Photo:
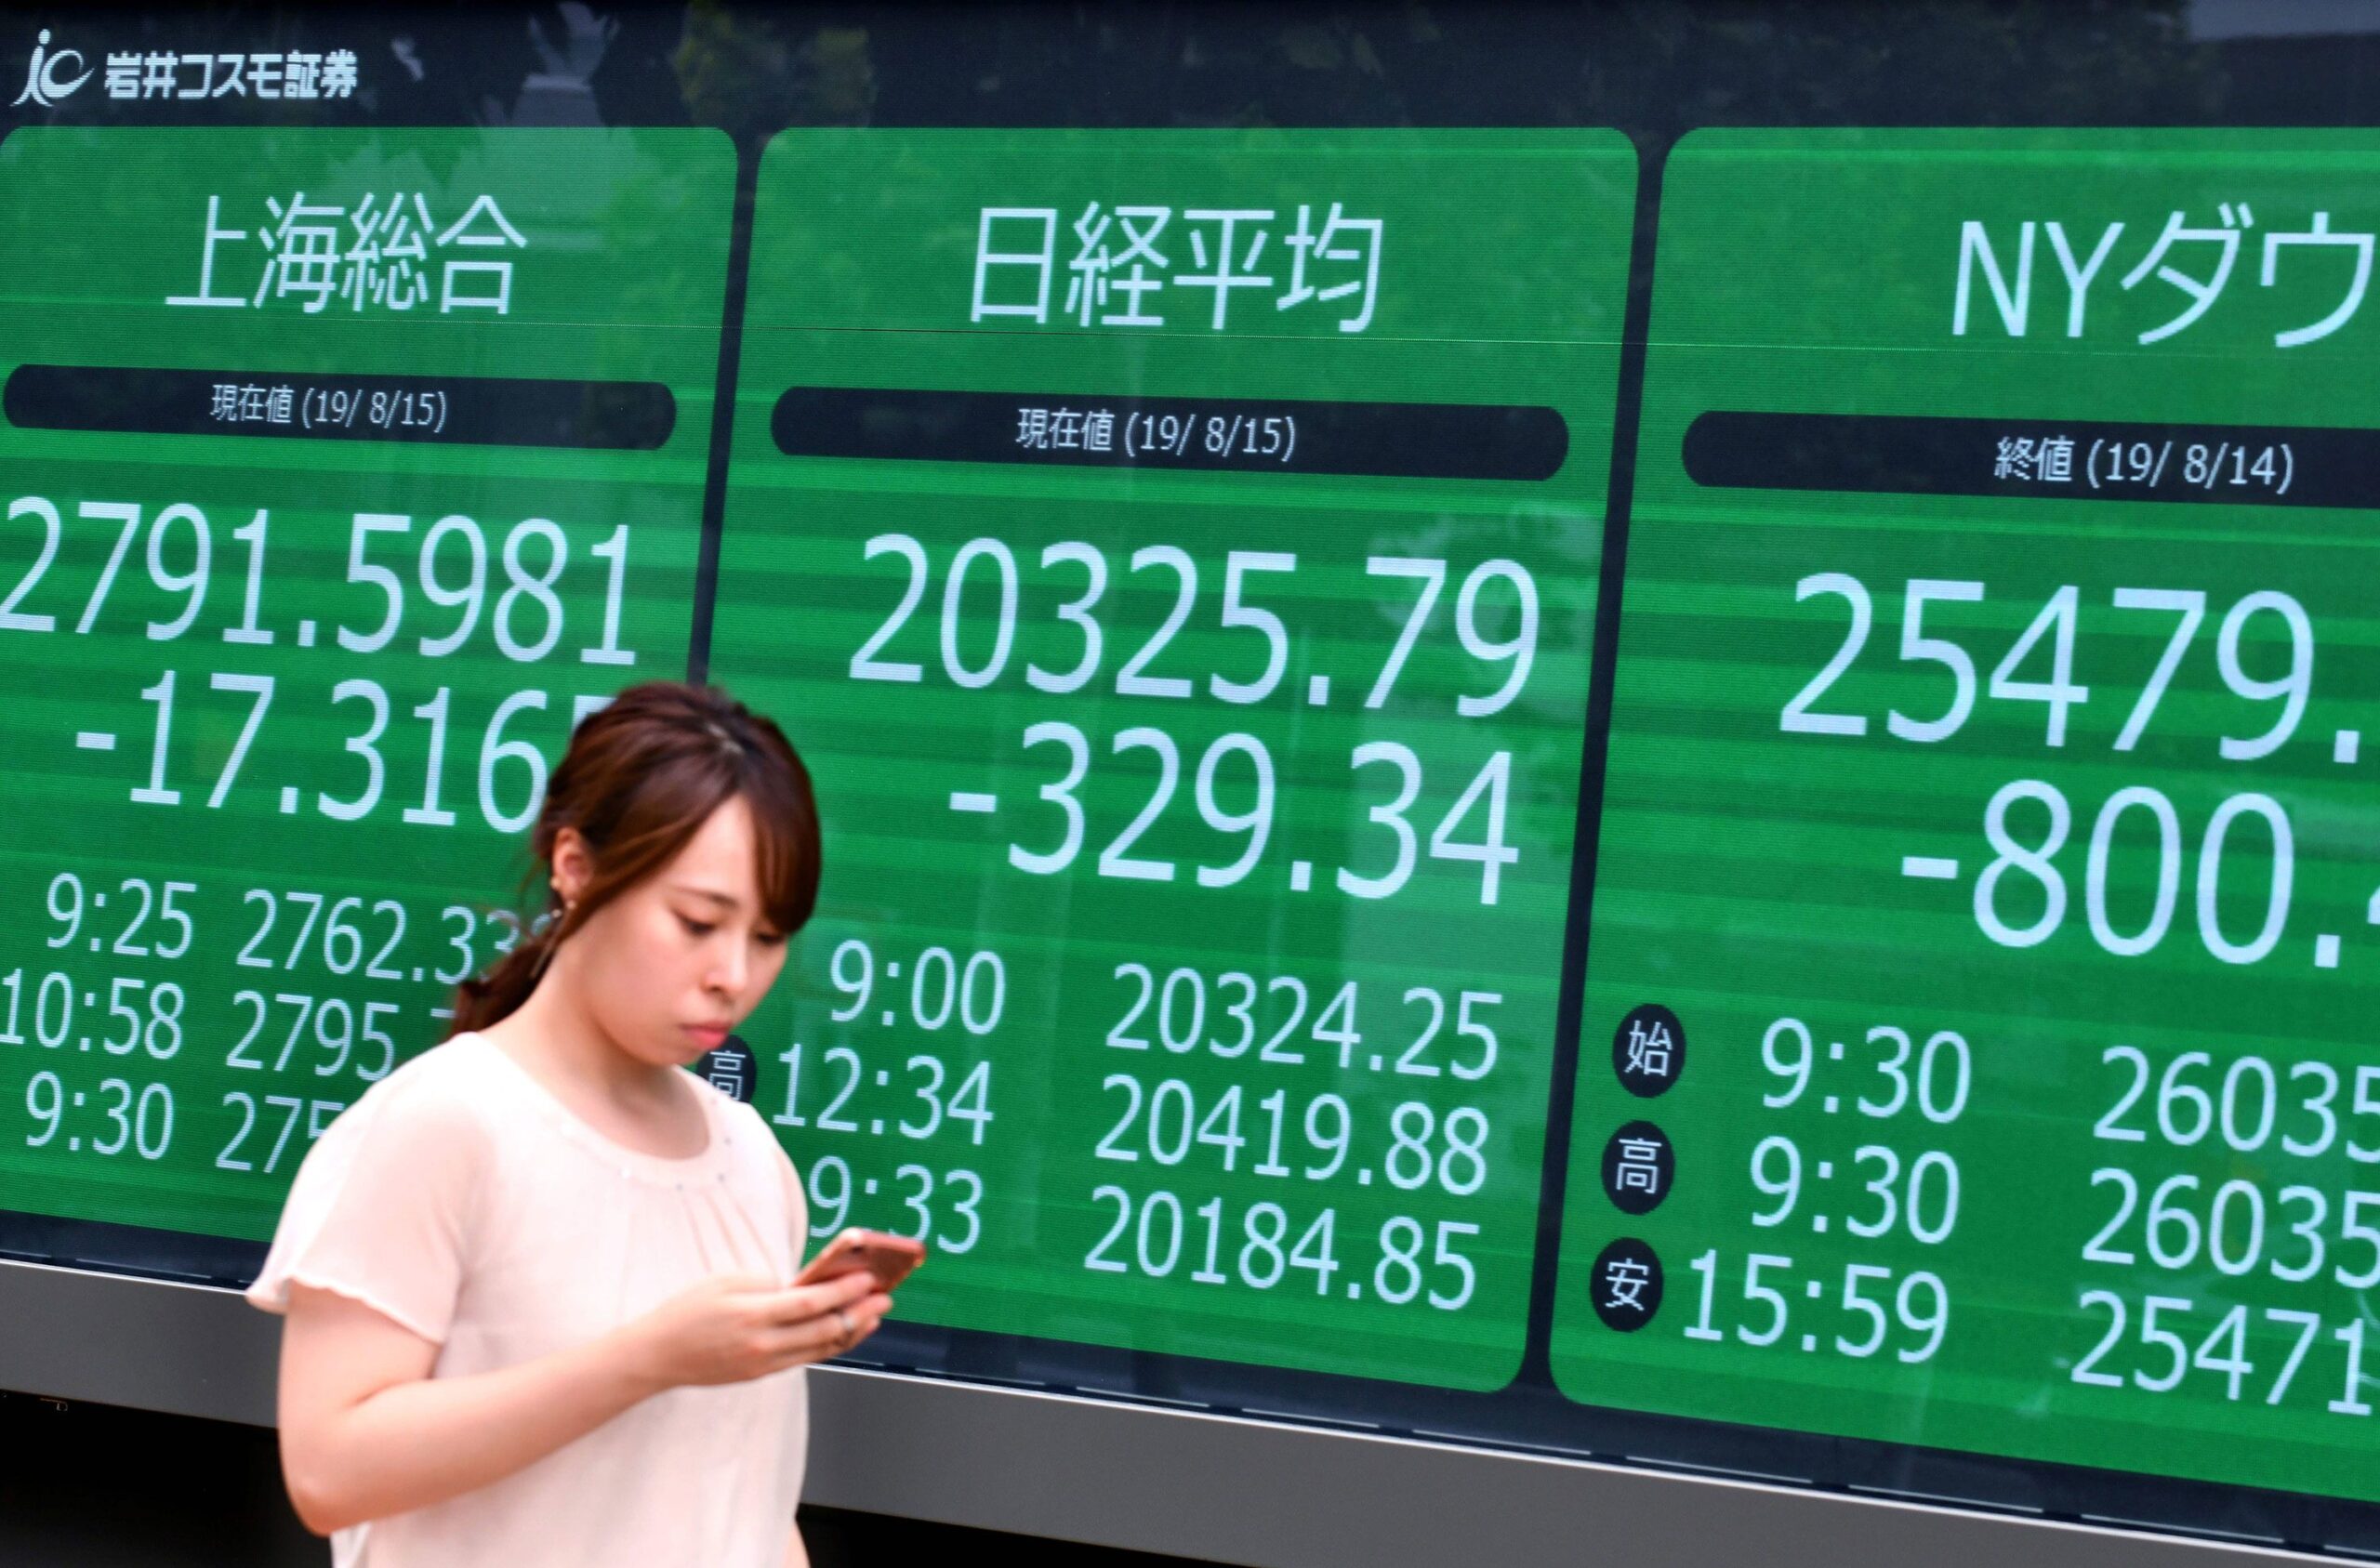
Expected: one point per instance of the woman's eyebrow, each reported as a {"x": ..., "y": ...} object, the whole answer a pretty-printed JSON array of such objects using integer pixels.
[{"x": 728, "y": 901}]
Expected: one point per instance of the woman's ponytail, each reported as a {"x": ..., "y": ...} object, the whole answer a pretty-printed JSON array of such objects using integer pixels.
[{"x": 499, "y": 993}]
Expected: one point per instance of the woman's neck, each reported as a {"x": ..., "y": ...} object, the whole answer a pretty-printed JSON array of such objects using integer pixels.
[{"x": 555, "y": 1036}]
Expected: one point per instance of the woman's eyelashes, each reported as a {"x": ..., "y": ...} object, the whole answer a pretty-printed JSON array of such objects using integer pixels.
[{"x": 699, "y": 929}]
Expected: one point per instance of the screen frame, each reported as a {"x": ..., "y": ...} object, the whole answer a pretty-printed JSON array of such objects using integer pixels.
[
  {"x": 145, "y": 1344},
  {"x": 1139, "y": 1477}
]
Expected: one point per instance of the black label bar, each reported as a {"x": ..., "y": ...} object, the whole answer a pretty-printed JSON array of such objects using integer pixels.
[
  {"x": 454, "y": 409},
  {"x": 2087, "y": 459},
  {"x": 1386, "y": 440}
]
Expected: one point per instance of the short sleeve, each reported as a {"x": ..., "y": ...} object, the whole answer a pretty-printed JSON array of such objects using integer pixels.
[{"x": 381, "y": 1211}]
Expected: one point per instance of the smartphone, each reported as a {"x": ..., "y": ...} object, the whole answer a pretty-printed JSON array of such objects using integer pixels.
[{"x": 888, "y": 1256}]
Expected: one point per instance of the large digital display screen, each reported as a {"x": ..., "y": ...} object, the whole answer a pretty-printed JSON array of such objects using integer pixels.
[
  {"x": 1512, "y": 752},
  {"x": 1179, "y": 566},
  {"x": 1978, "y": 1045},
  {"x": 343, "y": 471}
]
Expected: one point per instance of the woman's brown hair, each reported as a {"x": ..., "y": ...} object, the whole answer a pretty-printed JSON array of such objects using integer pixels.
[{"x": 640, "y": 776}]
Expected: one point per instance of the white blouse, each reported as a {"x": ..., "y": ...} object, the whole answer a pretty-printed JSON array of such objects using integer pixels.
[{"x": 461, "y": 1200}]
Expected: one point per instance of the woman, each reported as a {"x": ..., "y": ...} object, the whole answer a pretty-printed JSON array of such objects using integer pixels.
[{"x": 538, "y": 1281}]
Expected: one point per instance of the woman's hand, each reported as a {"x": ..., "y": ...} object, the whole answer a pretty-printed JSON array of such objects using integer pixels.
[
  {"x": 367, "y": 1430},
  {"x": 735, "y": 1327}
]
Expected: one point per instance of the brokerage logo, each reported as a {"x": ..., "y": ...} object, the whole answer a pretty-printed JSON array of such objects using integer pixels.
[
  {"x": 42, "y": 72},
  {"x": 142, "y": 74}
]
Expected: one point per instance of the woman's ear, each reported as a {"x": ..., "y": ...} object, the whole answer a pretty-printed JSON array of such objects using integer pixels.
[{"x": 574, "y": 864}]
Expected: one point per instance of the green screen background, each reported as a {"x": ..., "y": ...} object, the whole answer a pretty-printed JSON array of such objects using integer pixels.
[
  {"x": 861, "y": 276},
  {"x": 1745, "y": 874},
  {"x": 621, "y": 277},
  {"x": 1748, "y": 875}
]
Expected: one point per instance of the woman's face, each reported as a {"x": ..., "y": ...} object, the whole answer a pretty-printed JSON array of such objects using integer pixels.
[{"x": 669, "y": 967}]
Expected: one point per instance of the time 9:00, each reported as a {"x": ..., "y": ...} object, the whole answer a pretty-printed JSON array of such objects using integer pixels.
[{"x": 942, "y": 986}]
